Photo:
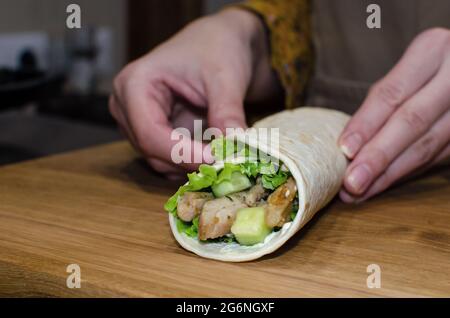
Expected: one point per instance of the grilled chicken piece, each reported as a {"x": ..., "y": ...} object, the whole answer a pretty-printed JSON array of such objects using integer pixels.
[
  {"x": 218, "y": 216},
  {"x": 191, "y": 204},
  {"x": 279, "y": 204},
  {"x": 252, "y": 196}
]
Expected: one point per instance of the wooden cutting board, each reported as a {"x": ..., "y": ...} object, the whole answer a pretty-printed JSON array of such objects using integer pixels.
[{"x": 101, "y": 208}]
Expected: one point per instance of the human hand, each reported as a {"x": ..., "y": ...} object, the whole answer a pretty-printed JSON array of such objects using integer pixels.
[
  {"x": 403, "y": 126},
  {"x": 205, "y": 71}
]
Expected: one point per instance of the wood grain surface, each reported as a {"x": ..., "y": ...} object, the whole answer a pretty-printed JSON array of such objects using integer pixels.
[{"x": 101, "y": 208}]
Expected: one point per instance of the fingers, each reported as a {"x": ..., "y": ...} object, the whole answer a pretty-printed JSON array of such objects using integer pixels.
[
  {"x": 226, "y": 102},
  {"x": 419, "y": 64},
  {"x": 119, "y": 116},
  {"x": 142, "y": 108},
  {"x": 403, "y": 128},
  {"x": 172, "y": 171},
  {"x": 432, "y": 148},
  {"x": 443, "y": 157},
  {"x": 155, "y": 136}
]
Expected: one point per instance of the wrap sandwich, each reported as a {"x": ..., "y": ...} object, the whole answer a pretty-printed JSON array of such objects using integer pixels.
[{"x": 262, "y": 188}]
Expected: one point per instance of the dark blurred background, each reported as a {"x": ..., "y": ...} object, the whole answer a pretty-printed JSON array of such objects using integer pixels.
[{"x": 55, "y": 81}]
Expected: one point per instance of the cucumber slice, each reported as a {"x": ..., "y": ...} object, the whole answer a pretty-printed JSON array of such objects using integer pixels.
[
  {"x": 237, "y": 182},
  {"x": 250, "y": 226}
]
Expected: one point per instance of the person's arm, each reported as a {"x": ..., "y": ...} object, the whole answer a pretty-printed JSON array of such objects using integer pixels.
[
  {"x": 403, "y": 126},
  {"x": 289, "y": 32}
]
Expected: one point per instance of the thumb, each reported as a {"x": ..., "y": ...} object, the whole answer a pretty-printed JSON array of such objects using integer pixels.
[{"x": 226, "y": 104}]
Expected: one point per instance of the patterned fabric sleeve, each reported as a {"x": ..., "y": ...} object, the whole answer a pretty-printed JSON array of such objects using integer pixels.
[{"x": 288, "y": 23}]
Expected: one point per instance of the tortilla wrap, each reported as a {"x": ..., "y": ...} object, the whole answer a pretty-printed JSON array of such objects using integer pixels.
[{"x": 308, "y": 148}]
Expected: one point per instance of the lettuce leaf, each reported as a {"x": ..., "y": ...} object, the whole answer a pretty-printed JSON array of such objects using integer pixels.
[
  {"x": 250, "y": 169},
  {"x": 190, "y": 228},
  {"x": 273, "y": 181},
  {"x": 222, "y": 148},
  {"x": 171, "y": 204},
  {"x": 271, "y": 178},
  {"x": 267, "y": 168},
  {"x": 206, "y": 176},
  {"x": 227, "y": 171}
]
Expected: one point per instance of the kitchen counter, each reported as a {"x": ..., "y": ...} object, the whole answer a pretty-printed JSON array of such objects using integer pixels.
[{"x": 101, "y": 208}]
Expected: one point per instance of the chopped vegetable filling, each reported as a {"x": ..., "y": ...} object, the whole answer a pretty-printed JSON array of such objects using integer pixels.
[{"x": 243, "y": 202}]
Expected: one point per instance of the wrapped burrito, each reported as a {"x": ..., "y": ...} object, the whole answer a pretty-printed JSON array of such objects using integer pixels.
[{"x": 266, "y": 184}]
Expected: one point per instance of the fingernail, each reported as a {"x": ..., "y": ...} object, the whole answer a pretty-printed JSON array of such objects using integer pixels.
[
  {"x": 233, "y": 124},
  {"x": 351, "y": 145},
  {"x": 359, "y": 178}
]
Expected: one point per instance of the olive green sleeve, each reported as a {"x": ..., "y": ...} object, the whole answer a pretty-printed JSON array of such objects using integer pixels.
[{"x": 288, "y": 24}]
